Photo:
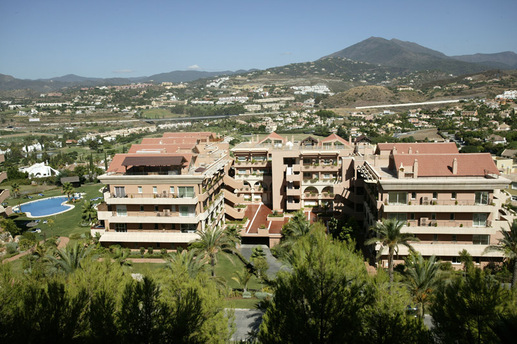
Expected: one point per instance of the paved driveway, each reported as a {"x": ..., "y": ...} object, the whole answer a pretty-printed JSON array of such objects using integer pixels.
[
  {"x": 246, "y": 321},
  {"x": 274, "y": 264}
]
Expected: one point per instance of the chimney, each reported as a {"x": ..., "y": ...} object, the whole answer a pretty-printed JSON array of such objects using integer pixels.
[
  {"x": 410, "y": 151},
  {"x": 400, "y": 172},
  {"x": 394, "y": 150},
  {"x": 350, "y": 139},
  {"x": 455, "y": 166},
  {"x": 415, "y": 169}
]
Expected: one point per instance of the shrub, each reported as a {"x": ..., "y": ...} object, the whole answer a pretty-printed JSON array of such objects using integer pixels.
[
  {"x": 150, "y": 250},
  {"x": 11, "y": 248},
  {"x": 261, "y": 295},
  {"x": 142, "y": 250},
  {"x": 163, "y": 251},
  {"x": 246, "y": 295}
]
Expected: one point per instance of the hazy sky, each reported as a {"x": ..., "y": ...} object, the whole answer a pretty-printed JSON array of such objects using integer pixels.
[{"x": 119, "y": 38}]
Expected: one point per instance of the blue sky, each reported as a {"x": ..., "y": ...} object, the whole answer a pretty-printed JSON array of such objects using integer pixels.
[{"x": 113, "y": 38}]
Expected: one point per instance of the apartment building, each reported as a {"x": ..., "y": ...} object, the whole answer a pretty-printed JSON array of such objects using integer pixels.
[
  {"x": 450, "y": 201},
  {"x": 4, "y": 193},
  {"x": 163, "y": 190},
  {"x": 285, "y": 175}
]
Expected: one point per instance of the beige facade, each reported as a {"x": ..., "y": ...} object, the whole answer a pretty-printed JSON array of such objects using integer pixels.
[
  {"x": 4, "y": 193},
  {"x": 166, "y": 189},
  {"x": 159, "y": 198},
  {"x": 449, "y": 201}
]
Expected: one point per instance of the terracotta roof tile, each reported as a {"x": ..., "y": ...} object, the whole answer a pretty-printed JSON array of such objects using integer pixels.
[
  {"x": 441, "y": 165},
  {"x": 421, "y": 147}
]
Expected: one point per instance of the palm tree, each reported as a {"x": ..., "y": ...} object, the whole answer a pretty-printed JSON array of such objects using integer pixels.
[
  {"x": 70, "y": 258},
  {"x": 508, "y": 245},
  {"x": 68, "y": 189},
  {"x": 391, "y": 237},
  {"x": 186, "y": 262},
  {"x": 89, "y": 214},
  {"x": 421, "y": 278},
  {"x": 211, "y": 242},
  {"x": 297, "y": 227},
  {"x": 16, "y": 189},
  {"x": 242, "y": 277}
]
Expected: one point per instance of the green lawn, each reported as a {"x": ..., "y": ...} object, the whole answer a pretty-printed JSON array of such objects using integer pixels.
[
  {"x": 159, "y": 113},
  {"x": 67, "y": 223}
]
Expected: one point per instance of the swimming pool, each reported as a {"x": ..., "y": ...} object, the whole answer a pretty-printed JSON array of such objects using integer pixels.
[{"x": 46, "y": 207}]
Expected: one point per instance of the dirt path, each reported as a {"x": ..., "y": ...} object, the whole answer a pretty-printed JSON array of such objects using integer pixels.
[
  {"x": 147, "y": 260},
  {"x": 63, "y": 241}
]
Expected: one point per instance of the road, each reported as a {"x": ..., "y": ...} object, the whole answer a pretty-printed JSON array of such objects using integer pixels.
[{"x": 409, "y": 104}]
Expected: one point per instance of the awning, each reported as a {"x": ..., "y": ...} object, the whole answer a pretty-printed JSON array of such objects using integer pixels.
[{"x": 153, "y": 161}]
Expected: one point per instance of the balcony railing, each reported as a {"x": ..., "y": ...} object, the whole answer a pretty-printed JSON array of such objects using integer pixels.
[{"x": 439, "y": 202}]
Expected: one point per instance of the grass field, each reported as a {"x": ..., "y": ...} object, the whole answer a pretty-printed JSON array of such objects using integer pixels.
[
  {"x": 159, "y": 113},
  {"x": 64, "y": 224}
]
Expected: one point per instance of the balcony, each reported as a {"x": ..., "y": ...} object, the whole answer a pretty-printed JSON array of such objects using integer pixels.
[
  {"x": 147, "y": 217},
  {"x": 438, "y": 207},
  {"x": 293, "y": 177},
  {"x": 4, "y": 194},
  {"x": 144, "y": 198},
  {"x": 231, "y": 197},
  {"x": 291, "y": 206},
  {"x": 449, "y": 229},
  {"x": 233, "y": 183},
  {"x": 236, "y": 213},
  {"x": 293, "y": 192}
]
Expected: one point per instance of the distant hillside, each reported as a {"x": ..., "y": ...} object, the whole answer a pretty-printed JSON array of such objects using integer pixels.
[
  {"x": 186, "y": 76},
  {"x": 406, "y": 55},
  {"x": 504, "y": 60},
  {"x": 8, "y": 82},
  {"x": 370, "y": 95}
]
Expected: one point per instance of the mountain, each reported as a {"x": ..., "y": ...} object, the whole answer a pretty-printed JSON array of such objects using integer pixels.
[
  {"x": 185, "y": 76},
  {"x": 8, "y": 82},
  {"x": 504, "y": 60},
  {"x": 405, "y": 55}
]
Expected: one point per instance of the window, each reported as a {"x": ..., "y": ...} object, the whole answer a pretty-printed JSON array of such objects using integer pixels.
[
  {"x": 452, "y": 217},
  {"x": 480, "y": 239},
  {"x": 412, "y": 216},
  {"x": 239, "y": 171},
  {"x": 241, "y": 158},
  {"x": 481, "y": 197},
  {"x": 171, "y": 190},
  {"x": 140, "y": 226},
  {"x": 158, "y": 244},
  {"x": 120, "y": 227},
  {"x": 453, "y": 195},
  {"x": 120, "y": 191},
  {"x": 155, "y": 226},
  {"x": 480, "y": 220},
  {"x": 185, "y": 191},
  {"x": 454, "y": 238},
  {"x": 397, "y": 197},
  {"x": 155, "y": 208},
  {"x": 413, "y": 195},
  {"x": 186, "y": 210},
  {"x": 402, "y": 217},
  {"x": 121, "y": 210},
  {"x": 327, "y": 176},
  {"x": 155, "y": 190},
  {"x": 435, "y": 195},
  {"x": 140, "y": 190},
  {"x": 455, "y": 260},
  {"x": 433, "y": 216},
  {"x": 141, "y": 208},
  {"x": 188, "y": 228},
  {"x": 435, "y": 237}
]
